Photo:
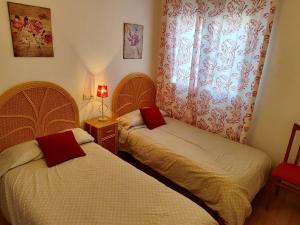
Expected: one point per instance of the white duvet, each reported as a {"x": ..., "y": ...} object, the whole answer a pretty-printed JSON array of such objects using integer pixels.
[
  {"x": 98, "y": 188},
  {"x": 226, "y": 175}
]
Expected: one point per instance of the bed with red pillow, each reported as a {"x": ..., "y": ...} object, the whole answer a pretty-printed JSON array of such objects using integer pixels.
[
  {"x": 52, "y": 173},
  {"x": 224, "y": 174},
  {"x": 88, "y": 187}
]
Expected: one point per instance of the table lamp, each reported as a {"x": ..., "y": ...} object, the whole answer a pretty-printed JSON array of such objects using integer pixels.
[{"x": 102, "y": 92}]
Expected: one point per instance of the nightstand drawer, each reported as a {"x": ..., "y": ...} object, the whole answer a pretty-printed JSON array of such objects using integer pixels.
[
  {"x": 104, "y": 132},
  {"x": 107, "y": 131},
  {"x": 110, "y": 144}
]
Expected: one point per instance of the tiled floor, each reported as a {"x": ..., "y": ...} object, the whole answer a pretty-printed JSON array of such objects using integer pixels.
[{"x": 284, "y": 209}]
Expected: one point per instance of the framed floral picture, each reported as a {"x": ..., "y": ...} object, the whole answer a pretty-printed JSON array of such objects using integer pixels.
[
  {"x": 133, "y": 41},
  {"x": 30, "y": 30}
]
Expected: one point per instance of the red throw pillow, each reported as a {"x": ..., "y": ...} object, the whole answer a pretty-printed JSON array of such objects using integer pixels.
[
  {"x": 60, "y": 147},
  {"x": 152, "y": 117}
]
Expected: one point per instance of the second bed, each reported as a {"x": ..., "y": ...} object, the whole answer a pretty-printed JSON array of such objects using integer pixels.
[{"x": 224, "y": 174}]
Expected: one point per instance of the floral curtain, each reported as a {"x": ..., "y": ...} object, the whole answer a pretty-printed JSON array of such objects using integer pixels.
[{"x": 212, "y": 54}]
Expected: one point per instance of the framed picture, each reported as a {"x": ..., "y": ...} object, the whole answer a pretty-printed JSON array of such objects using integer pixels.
[
  {"x": 30, "y": 30},
  {"x": 133, "y": 41}
]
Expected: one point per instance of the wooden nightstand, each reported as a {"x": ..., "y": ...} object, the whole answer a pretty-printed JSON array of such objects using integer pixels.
[{"x": 104, "y": 132}]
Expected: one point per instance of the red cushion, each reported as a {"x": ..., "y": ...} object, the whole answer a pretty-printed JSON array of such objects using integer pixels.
[
  {"x": 287, "y": 172},
  {"x": 60, "y": 147},
  {"x": 152, "y": 117}
]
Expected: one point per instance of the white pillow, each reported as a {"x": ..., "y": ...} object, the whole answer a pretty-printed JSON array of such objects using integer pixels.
[
  {"x": 81, "y": 136},
  {"x": 25, "y": 152},
  {"x": 134, "y": 119},
  {"x": 18, "y": 155},
  {"x": 131, "y": 119}
]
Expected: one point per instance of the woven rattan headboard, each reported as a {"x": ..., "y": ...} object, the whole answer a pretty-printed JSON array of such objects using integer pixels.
[
  {"x": 35, "y": 109},
  {"x": 136, "y": 90}
]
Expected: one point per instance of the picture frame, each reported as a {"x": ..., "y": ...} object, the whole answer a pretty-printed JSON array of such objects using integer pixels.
[
  {"x": 133, "y": 41},
  {"x": 31, "y": 30}
]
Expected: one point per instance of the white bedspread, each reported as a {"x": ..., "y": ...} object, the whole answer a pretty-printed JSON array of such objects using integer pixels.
[
  {"x": 225, "y": 174},
  {"x": 96, "y": 189}
]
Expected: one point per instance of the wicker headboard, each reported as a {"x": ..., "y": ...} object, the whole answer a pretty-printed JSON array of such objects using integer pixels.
[
  {"x": 136, "y": 90},
  {"x": 35, "y": 109}
]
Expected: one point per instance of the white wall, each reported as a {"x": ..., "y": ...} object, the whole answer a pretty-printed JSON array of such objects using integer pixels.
[
  {"x": 88, "y": 39},
  {"x": 278, "y": 102}
]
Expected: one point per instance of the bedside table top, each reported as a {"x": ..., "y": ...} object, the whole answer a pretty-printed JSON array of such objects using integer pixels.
[{"x": 95, "y": 122}]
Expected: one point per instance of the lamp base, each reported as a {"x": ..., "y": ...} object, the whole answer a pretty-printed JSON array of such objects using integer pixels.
[{"x": 103, "y": 118}]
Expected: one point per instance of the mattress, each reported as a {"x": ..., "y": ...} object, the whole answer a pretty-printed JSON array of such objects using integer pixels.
[
  {"x": 226, "y": 175},
  {"x": 98, "y": 188}
]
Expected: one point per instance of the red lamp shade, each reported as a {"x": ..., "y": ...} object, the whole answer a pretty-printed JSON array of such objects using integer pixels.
[{"x": 102, "y": 91}]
